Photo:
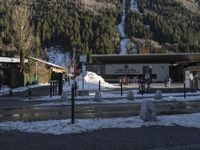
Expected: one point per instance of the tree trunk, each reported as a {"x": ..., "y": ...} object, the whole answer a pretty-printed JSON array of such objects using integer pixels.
[{"x": 21, "y": 60}]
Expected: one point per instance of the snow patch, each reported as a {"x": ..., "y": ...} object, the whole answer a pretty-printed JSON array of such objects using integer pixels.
[
  {"x": 134, "y": 6},
  {"x": 59, "y": 58},
  {"x": 6, "y": 89},
  {"x": 59, "y": 127}
]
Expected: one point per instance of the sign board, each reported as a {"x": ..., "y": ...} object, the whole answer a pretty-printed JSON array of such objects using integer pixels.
[
  {"x": 82, "y": 58},
  {"x": 187, "y": 75},
  {"x": 187, "y": 79}
]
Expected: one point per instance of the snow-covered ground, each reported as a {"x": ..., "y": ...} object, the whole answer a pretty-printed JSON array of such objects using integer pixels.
[
  {"x": 122, "y": 100},
  {"x": 83, "y": 125},
  {"x": 116, "y": 98},
  {"x": 59, "y": 58},
  {"x": 6, "y": 90},
  {"x": 91, "y": 82}
]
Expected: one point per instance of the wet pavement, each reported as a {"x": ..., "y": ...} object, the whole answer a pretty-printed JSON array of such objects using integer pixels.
[
  {"x": 33, "y": 113},
  {"x": 21, "y": 108}
]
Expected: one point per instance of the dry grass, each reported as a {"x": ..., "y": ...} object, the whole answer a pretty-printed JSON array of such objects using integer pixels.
[
  {"x": 141, "y": 42},
  {"x": 190, "y": 5}
]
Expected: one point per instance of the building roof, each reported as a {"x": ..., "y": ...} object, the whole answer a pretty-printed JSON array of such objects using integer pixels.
[
  {"x": 56, "y": 68},
  {"x": 172, "y": 58},
  {"x": 11, "y": 60}
]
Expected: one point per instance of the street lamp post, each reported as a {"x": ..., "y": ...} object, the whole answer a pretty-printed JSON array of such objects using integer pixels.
[{"x": 83, "y": 59}]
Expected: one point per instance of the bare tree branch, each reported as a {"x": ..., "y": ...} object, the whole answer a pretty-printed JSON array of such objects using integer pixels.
[{"x": 21, "y": 25}]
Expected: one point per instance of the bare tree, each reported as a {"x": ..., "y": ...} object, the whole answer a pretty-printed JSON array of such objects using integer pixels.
[{"x": 22, "y": 29}]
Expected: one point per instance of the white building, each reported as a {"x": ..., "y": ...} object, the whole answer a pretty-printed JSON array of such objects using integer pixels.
[{"x": 173, "y": 65}]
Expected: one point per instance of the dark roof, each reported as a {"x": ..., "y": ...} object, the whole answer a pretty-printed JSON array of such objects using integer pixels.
[{"x": 172, "y": 58}]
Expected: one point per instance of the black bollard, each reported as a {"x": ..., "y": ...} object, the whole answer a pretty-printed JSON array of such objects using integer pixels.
[
  {"x": 99, "y": 85},
  {"x": 139, "y": 87},
  {"x": 72, "y": 105},
  {"x": 29, "y": 93},
  {"x": 53, "y": 87},
  {"x": 184, "y": 90},
  {"x": 50, "y": 89},
  {"x": 56, "y": 88},
  {"x": 60, "y": 84},
  {"x": 75, "y": 88},
  {"x": 121, "y": 88},
  {"x": 143, "y": 88},
  {"x": 10, "y": 92}
]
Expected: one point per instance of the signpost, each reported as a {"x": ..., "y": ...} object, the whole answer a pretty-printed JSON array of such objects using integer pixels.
[
  {"x": 186, "y": 81},
  {"x": 72, "y": 104},
  {"x": 83, "y": 60}
]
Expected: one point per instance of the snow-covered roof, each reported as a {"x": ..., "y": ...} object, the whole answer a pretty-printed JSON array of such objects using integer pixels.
[
  {"x": 11, "y": 60},
  {"x": 48, "y": 63}
]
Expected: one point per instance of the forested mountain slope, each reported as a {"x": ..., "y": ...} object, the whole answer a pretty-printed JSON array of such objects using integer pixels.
[
  {"x": 90, "y": 26},
  {"x": 168, "y": 22},
  {"x": 192, "y": 5},
  {"x": 87, "y": 26}
]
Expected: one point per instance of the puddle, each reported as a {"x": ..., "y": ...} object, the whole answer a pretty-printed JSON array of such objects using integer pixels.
[{"x": 107, "y": 111}]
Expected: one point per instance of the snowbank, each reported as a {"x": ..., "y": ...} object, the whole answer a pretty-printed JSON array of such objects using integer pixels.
[
  {"x": 91, "y": 82},
  {"x": 6, "y": 89},
  {"x": 83, "y": 125}
]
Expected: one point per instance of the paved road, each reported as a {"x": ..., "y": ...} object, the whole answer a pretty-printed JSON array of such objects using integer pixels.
[{"x": 145, "y": 138}]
